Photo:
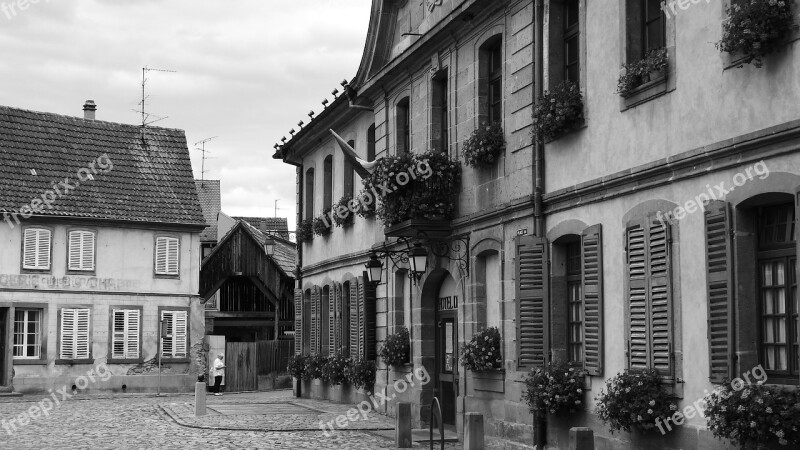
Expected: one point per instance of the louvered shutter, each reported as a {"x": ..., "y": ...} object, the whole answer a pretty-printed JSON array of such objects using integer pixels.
[
  {"x": 179, "y": 336},
  {"x": 167, "y": 347},
  {"x": 81, "y": 250},
  {"x": 298, "y": 322},
  {"x": 362, "y": 324},
  {"x": 719, "y": 289},
  {"x": 132, "y": 334},
  {"x": 532, "y": 277},
  {"x": 161, "y": 256},
  {"x": 370, "y": 328},
  {"x": 36, "y": 249},
  {"x": 592, "y": 264},
  {"x": 337, "y": 346},
  {"x": 660, "y": 273},
  {"x": 354, "y": 314},
  {"x": 797, "y": 266},
  {"x": 67, "y": 334},
  {"x": 331, "y": 350},
  {"x": 118, "y": 337},
  {"x": 637, "y": 307},
  {"x": 75, "y": 338},
  {"x": 314, "y": 321},
  {"x": 173, "y": 256}
]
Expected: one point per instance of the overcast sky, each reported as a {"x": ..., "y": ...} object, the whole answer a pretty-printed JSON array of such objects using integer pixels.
[{"x": 247, "y": 71}]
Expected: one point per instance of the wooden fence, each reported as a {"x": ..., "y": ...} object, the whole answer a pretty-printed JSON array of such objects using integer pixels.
[{"x": 273, "y": 356}]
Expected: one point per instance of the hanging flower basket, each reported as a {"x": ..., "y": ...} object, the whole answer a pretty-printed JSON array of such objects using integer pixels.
[
  {"x": 635, "y": 74},
  {"x": 397, "y": 348},
  {"x": 305, "y": 231},
  {"x": 634, "y": 399},
  {"x": 755, "y": 28},
  {"x": 483, "y": 351},
  {"x": 322, "y": 224},
  {"x": 555, "y": 389},
  {"x": 343, "y": 215},
  {"x": 558, "y": 111},
  {"x": 485, "y": 146}
]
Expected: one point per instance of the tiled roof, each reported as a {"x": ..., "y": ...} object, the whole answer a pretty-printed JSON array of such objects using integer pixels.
[
  {"x": 285, "y": 251},
  {"x": 150, "y": 178},
  {"x": 273, "y": 225},
  {"x": 210, "y": 200}
]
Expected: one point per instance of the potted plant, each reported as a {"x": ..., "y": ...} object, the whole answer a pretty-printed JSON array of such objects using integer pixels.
[
  {"x": 334, "y": 369},
  {"x": 634, "y": 399},
  {"x": 558, "y": 111},
  {"x": 754, "y": 414},
  {"x": 322, "y": 224},
  {"x": 363, "y": 208},
  {"x": 484, "y": 147},
  {"x": 637, "y": 73},
  {"x": 346, "y": 217},
  {"x": 555, "y": 389},
  {"x": 755, "y": 28},
  {"x": 313, "y": 367},
  {"x": 305, "y": 231},
  {"x": 482, "y": 352},
  {"x": 396, "y": 349},
  {"x": 361, "y": 373},
  {"x": 296, "y": 368}
]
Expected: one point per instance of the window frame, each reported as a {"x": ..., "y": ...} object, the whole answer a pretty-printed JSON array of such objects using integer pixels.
[
  {"x": 403, "y": 124},
  {"x": 91, "y": 271},
  {"x": 160, "y": 344},
  {"x": 60, "y": 342},
  {"x": 327, "y": 182},
  {"x": 111, "y": 313},
  {"x": 309, "y": 185},
  {"x": 43, "y": 308},
  {"x": 167, "y": 275},
  {"x": 49, "y": 267}
]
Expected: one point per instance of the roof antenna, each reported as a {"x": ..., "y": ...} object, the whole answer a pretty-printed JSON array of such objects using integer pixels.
[
  {"x": 203, "y": 150},
  {"x": 143, "y": 103}
]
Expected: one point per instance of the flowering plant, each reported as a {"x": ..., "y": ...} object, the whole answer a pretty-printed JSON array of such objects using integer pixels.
[
  {"x": 322, "y": 226},
  {"x": 313, "y": 367},
  {"x": 334, "y": 369},
  {"x": 414, "y": 186},
  {"x": 305, "y": 231},
  {"x": 558, "y": 111},
  {"x": 364, "y": 209},
  {"x": 639, "y": 72},
  {"x": 555, "y": 388},
  {"x": 755, "y": 414},
  {"x": 754, "y": 28},
  {"x": 296, "y": 366},
  {"x": 361, "y": 373},
  {"x": 397, "y": 348},
  {"x": 343, "y": 205},
  {"x": 482, "y": 352},
  {"x": 634, "y": 399},
  {"x": 484, "y": 146}
]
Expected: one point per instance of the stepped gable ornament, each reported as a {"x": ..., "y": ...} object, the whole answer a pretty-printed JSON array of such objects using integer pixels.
[{"x": 432, "y": 4}]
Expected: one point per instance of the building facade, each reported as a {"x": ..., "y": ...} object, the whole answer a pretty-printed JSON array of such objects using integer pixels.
[
  {"x": 658, "y": 233},
  {"x": 100, "y": 244}
]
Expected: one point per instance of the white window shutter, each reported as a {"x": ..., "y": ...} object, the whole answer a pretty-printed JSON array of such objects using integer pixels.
[
  {"x": 132, "y": 334},
  {"x": 118, "y": 343},
  {"x": 67, "y": 334},
  {"x": 172, "y": 256},
  {"x": 36, "y": 249},
  {"x": 81, "y": 250},
  {"x": 75, "y": 338},
  {"x": 167, "y": 256},
  {"x": 82, "y": 340},
  {"x": 179, "y": 334},
  {"x": 166, "y": 343},
  {"x": 161, "y": 256}
]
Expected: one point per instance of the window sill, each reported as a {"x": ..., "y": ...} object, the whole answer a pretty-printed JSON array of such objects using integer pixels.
[
  {"x": 124, "y": 361},
  {"x": 644, "y": 93},
  {"x": 35, "y": 271},
  {"x": 85, "y": 273},
  {"x": 166, "y": 277},
  {"x": 734, "y": 60},
  {"x": 580, "y": 125},
  {"x": 74, "y": 362},
  {"x": 175, "y": 360},
  {"x": 30, "y": 362}
]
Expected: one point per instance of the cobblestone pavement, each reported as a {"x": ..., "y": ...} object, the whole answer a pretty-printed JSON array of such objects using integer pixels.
[{"x": 131, "y": 421}]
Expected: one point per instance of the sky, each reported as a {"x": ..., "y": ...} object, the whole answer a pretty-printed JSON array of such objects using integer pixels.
[{"x": 246, "y": 72}]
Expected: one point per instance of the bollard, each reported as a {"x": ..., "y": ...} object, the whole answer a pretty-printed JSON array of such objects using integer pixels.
[
  {"x": 581, "y": 439},
  {"x": 199, "y": 399},
  {"x": 473, "y": 432},
  {"x": 403, "y": 426}
]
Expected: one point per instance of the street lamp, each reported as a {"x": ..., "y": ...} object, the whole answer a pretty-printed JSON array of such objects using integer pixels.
[
  {"x": 269, "y": 246},
  {"x": 419, "y": 260},
  {"x": 374, "y": 269}
]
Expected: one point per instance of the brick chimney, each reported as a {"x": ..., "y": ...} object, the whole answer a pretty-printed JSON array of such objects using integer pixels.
[{"x": 89, "y": 109}]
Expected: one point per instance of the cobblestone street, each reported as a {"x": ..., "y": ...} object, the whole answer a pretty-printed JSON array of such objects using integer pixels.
[{"x": 249, "y": 421}]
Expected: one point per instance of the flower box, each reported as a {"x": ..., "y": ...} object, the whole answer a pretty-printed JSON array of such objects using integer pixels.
[
  {"x": 420, "y": 227},
  {"x": 754, "y": 29}
]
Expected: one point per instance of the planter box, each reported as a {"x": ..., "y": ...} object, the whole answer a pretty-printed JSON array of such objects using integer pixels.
[
  {"x": 420, "y": 227},
  {"x": 489, "y": 381}
]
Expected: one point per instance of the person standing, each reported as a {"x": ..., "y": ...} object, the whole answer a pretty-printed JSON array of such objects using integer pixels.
[{"x": 219, "y": 371}]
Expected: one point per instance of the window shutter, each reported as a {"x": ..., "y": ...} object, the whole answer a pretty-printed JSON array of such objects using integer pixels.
[
  {"x": 36, "y": 249},
  {"x": 370, "y": 329},
  {"x": 338, "y": 343},
  {"x": 719, "y": 284},
  {"x": 637, "y": 308},
  {"x": 118, "y": 337},
  {"x": 797, "y": 241},
  {"x": 167, "y": 347},
  {"x": 592, "y": 263},
  {"x": 179, "y": 335},
  {"x": 132, "y": 334},
  {"x": 314, "y": 320},
  {"x": 362, "y": 325},
  {"x": 331, "y": 350},
  {"x": 161, "y": 256},
  {"x": 75, "y": 339},
  {"x": 298, "y": 322},
  {"x": 354, "y": 314},
  {"x": 67, "y": 334},
  {"x": 532, "y": 301},
  {"x": 660, "y": 269},
  {"x": 173, "y": 256},
  {"x": 81, "y": 250}
]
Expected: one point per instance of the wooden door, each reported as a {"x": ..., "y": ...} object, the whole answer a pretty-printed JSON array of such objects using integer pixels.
[{"x": 241, "y": 364}]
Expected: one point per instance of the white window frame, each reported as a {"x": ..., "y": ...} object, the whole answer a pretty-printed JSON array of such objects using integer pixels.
[
  {"x": 24, "y": 332},
  {"x": 170, "y": 265},
  {"x": 85, "y": 262},
  {"x": 174, "y": 340},
  {"x": 129, "y": 336},
  {"x": 80, "y": 329},
  {"x": 39, "y": 261}
]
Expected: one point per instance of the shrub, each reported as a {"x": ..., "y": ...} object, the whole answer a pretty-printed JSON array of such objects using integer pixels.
[
  {"x": 347, "y": 220},
  {"x": 305, "y": 231},
  {"x": 397, "y": 348},
  {"x": 334, "y": 369},
  {"x": 555, "y": 388},
  {"x": 638, "y": 73},
  {"x": 361, "y": 373},
  {"x": 414, "y": 186},
  {"x": 322, "y": 224},
  {"x": 314, "y": 364},
  {"x": 482, "y": 352},
  {"x": 558, "y": 111},
  {"x": 755, "y": 414},
  {"x": 755, "y": 28},
  {"x": 634, "y": 399},
  {"x": 296, "y": 366},
  {"x": 485, "y": 145}
]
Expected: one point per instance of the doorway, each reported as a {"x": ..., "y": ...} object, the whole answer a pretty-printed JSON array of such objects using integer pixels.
[
  {"x": 447, "y": 349},
  {"x": 5, "y": 347}
]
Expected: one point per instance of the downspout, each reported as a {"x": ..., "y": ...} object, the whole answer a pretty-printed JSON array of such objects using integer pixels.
[{"x": 539, "y": 420}]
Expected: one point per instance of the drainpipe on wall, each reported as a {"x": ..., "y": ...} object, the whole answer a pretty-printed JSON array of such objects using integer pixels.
[{"x": 539, "y": 420}]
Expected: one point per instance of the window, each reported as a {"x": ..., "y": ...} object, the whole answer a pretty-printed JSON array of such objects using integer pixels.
[
  {"x": 566, "y": 34},
  {"x": 36, "y": 249},
  {"x": 488, "y": 288},
  {"x": 327, "y": 183},
  {"x": 309, "y": 190},
  {"x": 403, "y": 129},
  {"x": 346, "y": 319},
  {"x": 571, "y": 37},
  {"x": 349, "y": 175},
  {"x": 81, "y": 250},
  {"x": 574, "y": 304},
  {"x": 167, "y": 256},
  {"x": 27, "y": 334},
  {"x": 439, "y": 112},
  {"x": 174, "y": 344},
  {"x": 490, "y": 81},
  {"x": 75, "y": 334},
  {"x": 371, "y": 143},
  {"x": 646, "y": 29},
  {"x": 125, "y": 335}
]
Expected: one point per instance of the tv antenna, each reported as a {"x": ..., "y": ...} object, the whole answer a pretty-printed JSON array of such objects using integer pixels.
[
  {"x": 143, "y": 103},
  {"x": 202, "y": 149},
  {"x": 278, "y": 209}
]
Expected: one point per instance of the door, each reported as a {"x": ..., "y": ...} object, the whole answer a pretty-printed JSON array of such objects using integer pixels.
[
  {"x": 447, "y": 364},
  {"x": 241, "y": 367},
  {"x": 5, "y": 348}
]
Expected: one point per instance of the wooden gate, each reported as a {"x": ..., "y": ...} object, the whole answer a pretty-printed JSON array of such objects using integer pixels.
[
  {"x": 273, "y": 356},
  {"x": 241, "y": 364}
]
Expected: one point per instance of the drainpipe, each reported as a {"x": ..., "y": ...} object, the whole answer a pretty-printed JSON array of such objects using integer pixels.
[{"x": 539, "y": 420}]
